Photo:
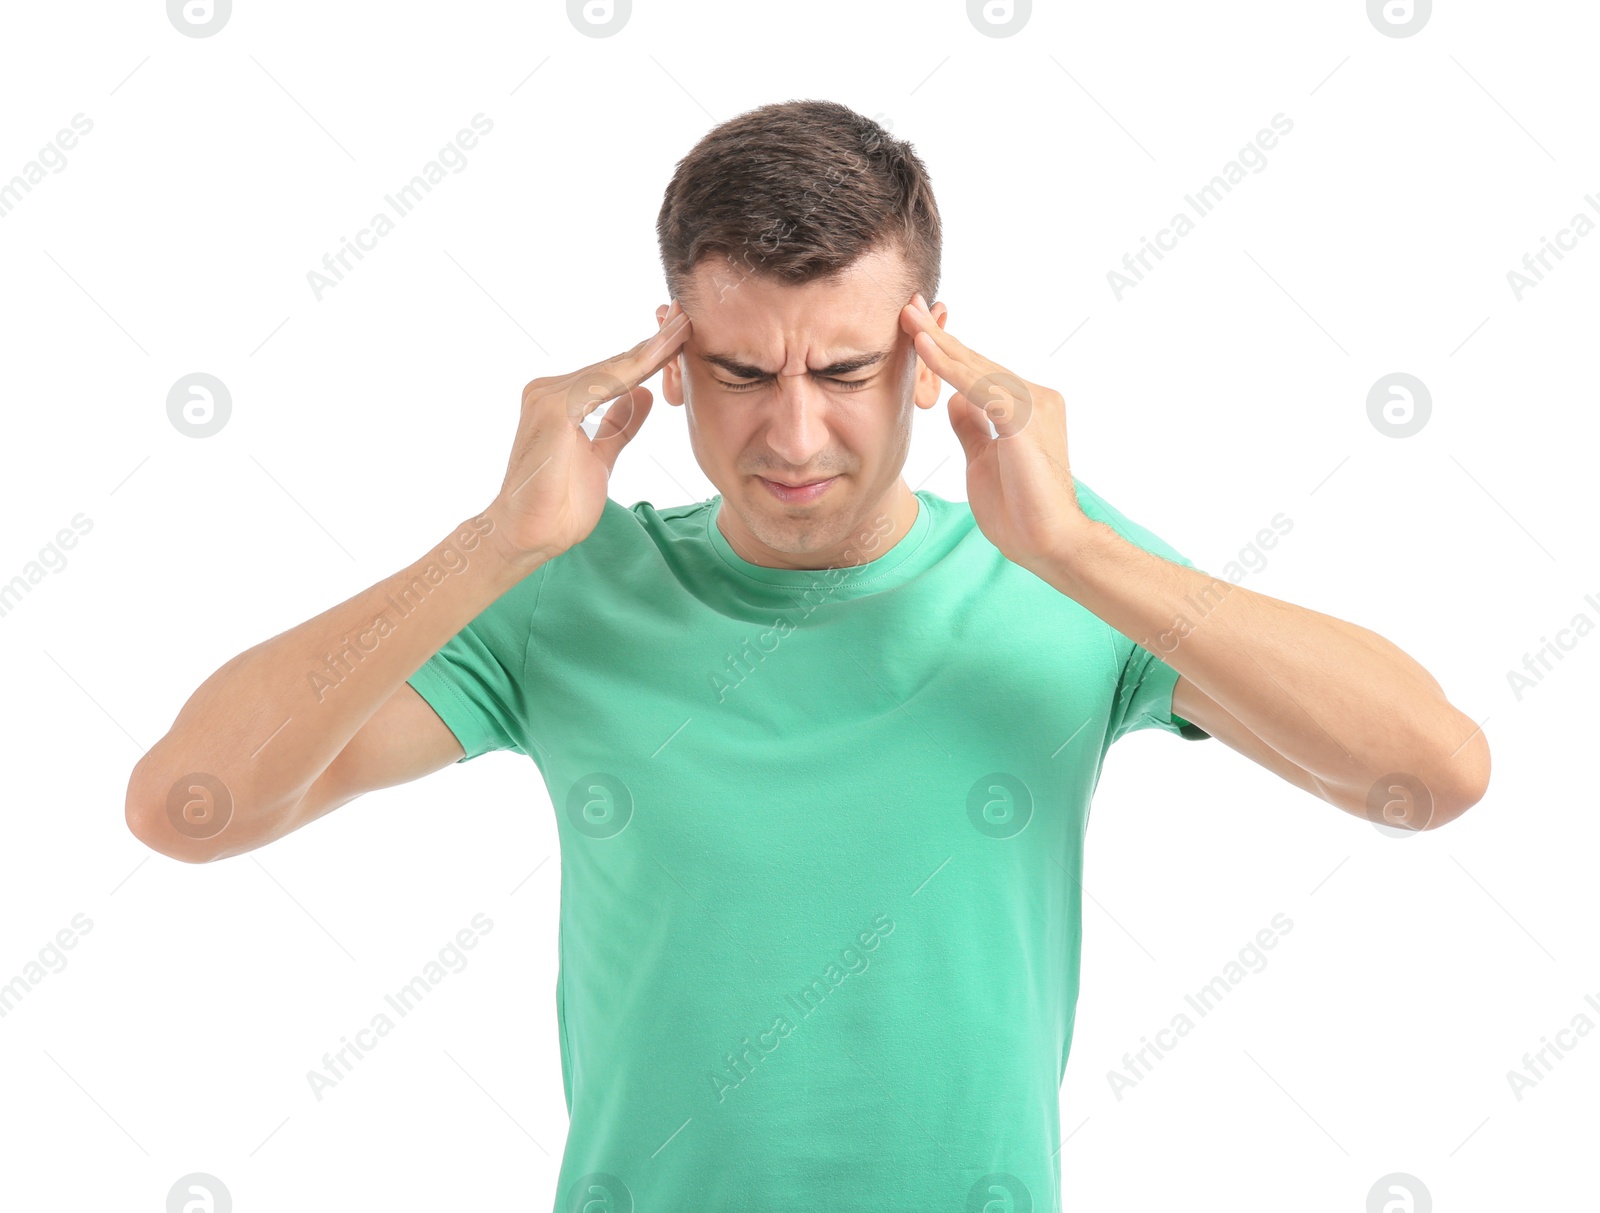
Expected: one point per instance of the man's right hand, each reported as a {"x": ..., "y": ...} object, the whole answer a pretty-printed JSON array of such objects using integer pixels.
[
  {"x": 555, "y": 485},
  {"x": 297, "y": 725}
]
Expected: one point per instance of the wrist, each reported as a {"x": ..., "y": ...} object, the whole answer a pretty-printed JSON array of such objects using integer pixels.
[
  {"x": 509, "y": 563},
  {"x": 1073, "y": 558},
  {"x": 514, "y": 541}
]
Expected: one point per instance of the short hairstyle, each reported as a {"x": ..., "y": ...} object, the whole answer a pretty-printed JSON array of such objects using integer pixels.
[{"x": 797, "y": 191}]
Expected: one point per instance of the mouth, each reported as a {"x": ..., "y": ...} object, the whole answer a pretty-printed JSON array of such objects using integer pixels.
[{"x": 799, "y": 493}]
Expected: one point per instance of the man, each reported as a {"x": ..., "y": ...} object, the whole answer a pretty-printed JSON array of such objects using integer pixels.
[{"x": 820, "y": 748}]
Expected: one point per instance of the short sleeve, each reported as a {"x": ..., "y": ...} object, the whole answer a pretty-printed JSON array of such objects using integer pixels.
[
  {"x": 1143, "y": 697},
  {"x": 475, "y": 682}
]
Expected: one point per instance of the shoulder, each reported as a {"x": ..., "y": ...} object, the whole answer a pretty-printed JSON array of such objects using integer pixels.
[
  {"x": 641, "y": 525},
  {"x": 629, "y": 542},
  {"x": 1100, "y": 510}
]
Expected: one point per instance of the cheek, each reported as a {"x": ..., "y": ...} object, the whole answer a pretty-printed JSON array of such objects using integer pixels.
[
  {"x": 689, "y": 386},
  {"x": 907, "y": 366},
  {"x": 712, "y": 421},
  {"x": 875, "y": 424}
]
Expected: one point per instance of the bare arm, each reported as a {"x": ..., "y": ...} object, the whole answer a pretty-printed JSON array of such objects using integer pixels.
[
  {"x": 1356, "y": 714},
  {"x": 1328, "y": 705},
  {"x": 306, "y": 721}
]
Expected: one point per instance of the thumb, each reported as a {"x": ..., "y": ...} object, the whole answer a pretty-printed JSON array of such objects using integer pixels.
[
  {"x": 620, "y": 423},
  {"x": 971, "y": 425}
]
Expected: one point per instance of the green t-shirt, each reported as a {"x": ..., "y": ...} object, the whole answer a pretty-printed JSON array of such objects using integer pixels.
[{"x": 821, "y": 836}]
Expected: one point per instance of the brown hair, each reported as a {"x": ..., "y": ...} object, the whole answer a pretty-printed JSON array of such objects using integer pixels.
[{"x": 797, "y": 191}]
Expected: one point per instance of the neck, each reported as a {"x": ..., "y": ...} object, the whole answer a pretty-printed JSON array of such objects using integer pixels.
[{"x": 900, "y": 505}]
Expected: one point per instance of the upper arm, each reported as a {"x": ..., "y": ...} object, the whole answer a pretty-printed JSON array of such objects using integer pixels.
[
  {"x": 468, "y": 698},
  {"x": 1195, "y": 706},
  {"x": 403, "y": 740}
]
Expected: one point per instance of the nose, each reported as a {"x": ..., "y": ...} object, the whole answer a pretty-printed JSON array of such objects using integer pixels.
[{"x": 796, "y": 430}]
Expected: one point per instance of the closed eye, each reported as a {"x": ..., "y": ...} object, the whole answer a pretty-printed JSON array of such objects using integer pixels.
[{"x": 848, "y": 385}]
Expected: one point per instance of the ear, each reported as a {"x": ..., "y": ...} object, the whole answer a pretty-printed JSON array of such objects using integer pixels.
[
  {"x": 926, "y": 393},
  {"x": 672, "y": 372}
]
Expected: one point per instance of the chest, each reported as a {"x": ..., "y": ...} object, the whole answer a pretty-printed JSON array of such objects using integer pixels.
[{"x": 846, "y": 724}]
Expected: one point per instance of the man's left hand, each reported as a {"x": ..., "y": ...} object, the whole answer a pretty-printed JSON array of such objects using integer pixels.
[{"x": 1019, "y": 485}]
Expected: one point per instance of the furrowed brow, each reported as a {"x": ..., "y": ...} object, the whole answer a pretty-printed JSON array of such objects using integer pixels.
[{"x": 744, "y": 370}]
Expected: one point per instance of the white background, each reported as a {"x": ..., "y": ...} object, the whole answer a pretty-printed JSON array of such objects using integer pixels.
[{"x": 1226, "y": 388}]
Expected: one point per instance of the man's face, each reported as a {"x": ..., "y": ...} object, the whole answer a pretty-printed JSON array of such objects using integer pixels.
[{"x": 795, "y": 384}]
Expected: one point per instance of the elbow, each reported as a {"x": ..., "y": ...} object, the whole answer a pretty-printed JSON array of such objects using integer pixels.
[
  {"x": 1460, "y": 781},
  {"x": 1448, "y": 807},
  {"x": 175, "y": 821},
  {"x": 1436, "y": 785},
  {"x": 147, "y": 827}
]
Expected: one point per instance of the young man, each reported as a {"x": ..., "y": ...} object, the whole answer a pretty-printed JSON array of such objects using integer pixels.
[{"x": 821, "y": 748}]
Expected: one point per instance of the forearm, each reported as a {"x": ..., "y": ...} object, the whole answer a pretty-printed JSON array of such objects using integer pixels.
[
  {"x": 1334, "y": 698},
  {"x": 271, "y": 720}
]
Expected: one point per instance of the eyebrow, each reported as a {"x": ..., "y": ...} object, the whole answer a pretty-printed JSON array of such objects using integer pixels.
[{"x": 843, "y": 367}]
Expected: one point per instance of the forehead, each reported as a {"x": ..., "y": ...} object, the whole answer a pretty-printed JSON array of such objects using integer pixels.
[{"x": 745, "y": 315}]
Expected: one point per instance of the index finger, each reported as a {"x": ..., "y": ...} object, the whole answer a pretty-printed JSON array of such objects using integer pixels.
[
  {"x": 594, "y": 385},
  {"x": 952, "y": 361},
  {"x": 1003, "y": 396}
]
